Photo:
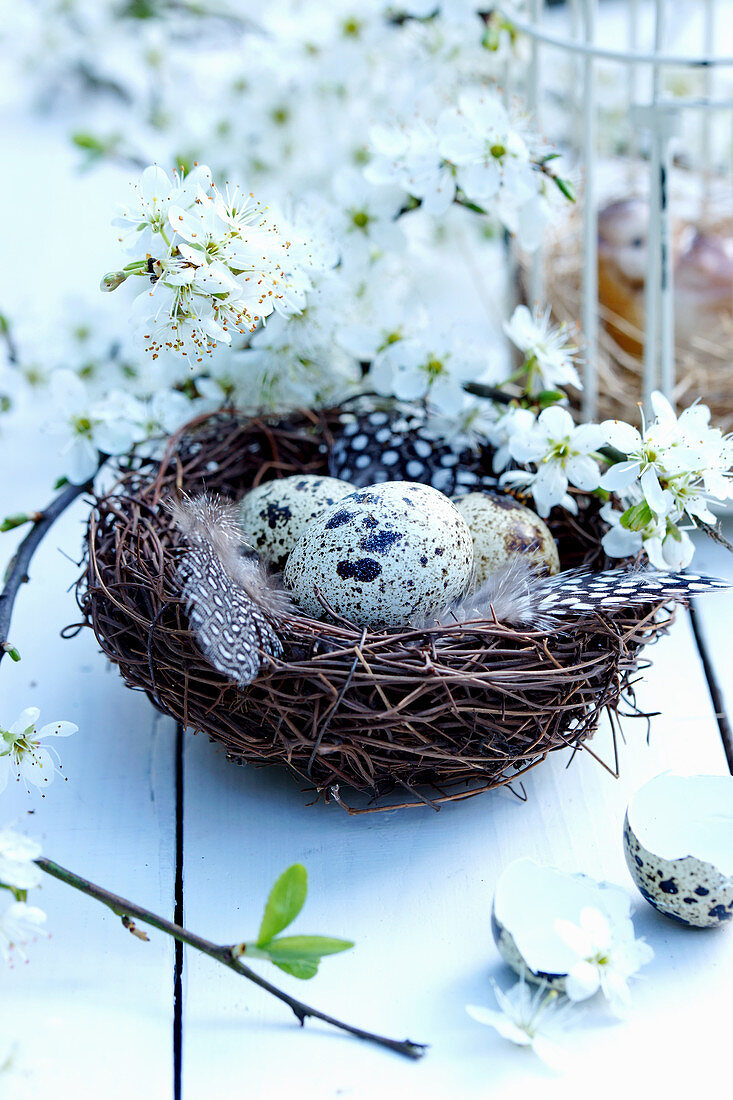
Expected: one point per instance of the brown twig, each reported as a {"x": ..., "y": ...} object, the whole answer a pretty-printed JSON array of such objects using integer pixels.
[
  {"x": 17, "y": 572},
  {"x": 221, "y": 953}
]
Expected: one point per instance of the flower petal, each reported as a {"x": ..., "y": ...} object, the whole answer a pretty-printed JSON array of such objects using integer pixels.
[
  {"x": 24, "y": 721},
  {"x": 620, "y": 476},
  {"x": 556, "y": 421},
  {"x": 583, "y": 981},
  {"x": 583, "y": 472},
  {"x": 621, "y": 436},
  {"x": 57, "y": 729}
]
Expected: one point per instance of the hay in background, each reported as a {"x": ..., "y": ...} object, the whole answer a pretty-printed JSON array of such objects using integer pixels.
[{"x": 704, "y": 366}]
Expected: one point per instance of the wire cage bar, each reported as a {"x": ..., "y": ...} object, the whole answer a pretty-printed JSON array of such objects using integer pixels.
[{"x": 644, "y": 49}]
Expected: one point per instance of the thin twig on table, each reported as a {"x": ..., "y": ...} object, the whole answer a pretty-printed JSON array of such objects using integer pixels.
[{"x": 221, "y": 953}]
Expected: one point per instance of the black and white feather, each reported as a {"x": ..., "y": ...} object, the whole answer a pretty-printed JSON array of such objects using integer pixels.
[
  {"x": 374, "y": 444},
  {"x": 518, "y": 595},
  {"x": 234, "y": 606}
]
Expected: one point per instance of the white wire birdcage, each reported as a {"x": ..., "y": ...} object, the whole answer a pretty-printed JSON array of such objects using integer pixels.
[{"x": 651, "y": 80}]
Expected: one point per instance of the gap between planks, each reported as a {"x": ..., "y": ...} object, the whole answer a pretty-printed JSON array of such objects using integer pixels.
[
  {"x": 179, "y": 918},
  {"x": 716, "y": 692}
]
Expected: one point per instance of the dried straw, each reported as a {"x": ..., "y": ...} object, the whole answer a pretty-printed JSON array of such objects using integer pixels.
[{"x": 703, "y": 363}]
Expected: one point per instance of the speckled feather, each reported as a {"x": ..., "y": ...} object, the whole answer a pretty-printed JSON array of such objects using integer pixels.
[
  {"x": 517, "y": 595},
  {"x": 374, "y": 445},
  {"x": 233, "y": 605}
]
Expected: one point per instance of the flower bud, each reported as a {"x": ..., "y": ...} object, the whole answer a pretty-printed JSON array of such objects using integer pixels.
[{"x": 112, "y": 280}]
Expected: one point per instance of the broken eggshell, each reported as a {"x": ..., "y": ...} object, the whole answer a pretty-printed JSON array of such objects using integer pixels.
[
  {"x": 678, "y": 843},
  {"x": 529, "y": 898}
]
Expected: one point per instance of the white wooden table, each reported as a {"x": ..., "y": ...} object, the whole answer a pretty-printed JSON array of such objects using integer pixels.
[{"x": 159, "y": 816}]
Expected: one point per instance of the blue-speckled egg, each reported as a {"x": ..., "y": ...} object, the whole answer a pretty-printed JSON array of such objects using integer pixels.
[
  {"x": 383, "y": 556},
  {"x": 275, "y": 514},
  {"x": 678, "y": 843}
]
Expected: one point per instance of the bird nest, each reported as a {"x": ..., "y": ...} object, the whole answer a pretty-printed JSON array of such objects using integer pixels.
[
  {"x": 405, "y": 716},
  {"x": 702, "y": 353}
]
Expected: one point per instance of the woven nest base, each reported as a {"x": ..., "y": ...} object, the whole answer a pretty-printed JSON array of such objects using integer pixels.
[{"x": 404, "y": 716}]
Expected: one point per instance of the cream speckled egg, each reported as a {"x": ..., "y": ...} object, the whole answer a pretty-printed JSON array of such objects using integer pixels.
[
  {"x": 501, "y": 528},
  {"x": 383, "y": 555},
  {"x": 275, "y": 514}
]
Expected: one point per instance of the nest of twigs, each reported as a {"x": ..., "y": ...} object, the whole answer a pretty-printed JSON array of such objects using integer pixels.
[
  {"x": 702, "y": 359},
  {"x": 420, "y": 715}
]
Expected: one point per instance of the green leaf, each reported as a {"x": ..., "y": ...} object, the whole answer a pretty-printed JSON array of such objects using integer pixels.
[
  {"x": 17, "y": 520},
  {"x": 549, "y": 397},
  {"x": 60, "y": 482},
  {"x": 89, "y": 142},
  {"x": 637, "y": 517},
  {"x": 11, "y": 651},
  {"x": 565, "y": 187},
  {"x": 302, "y": 970},
  {"x": 286, "y": 899},
  {"x": 305, "y": 948}
]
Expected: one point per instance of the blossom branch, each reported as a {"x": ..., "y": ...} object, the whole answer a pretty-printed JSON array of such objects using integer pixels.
[
  {"x": 221, "y": 953},
  {"x": 17, "y": 573}
]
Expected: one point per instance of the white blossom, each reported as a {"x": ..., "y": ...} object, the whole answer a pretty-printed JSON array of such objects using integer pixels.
[
  {"x": 510, "y": 422},
  {"x": 364, "y": 216},
  {"x": 473, "y": 422},
  {"x": 680, "y": 464},
  {"x": 217, "y": 263},
  {"x": 110, "y": 425},
  {"x": 666, "y": 545},
  {"x": 472, "y": 151},
  {"x": 23, "y": 753},
  {"x": 493, "y": 164},
  {"x": 19, "y": 925},
  {"x": 549, "y": 356},
  {"x": 561, "y": 454},
  {"x": 410, "y": 157},
  {"x": 432, "y": 366},
  {"x": 17, "y": 853},
  {"x": 528, "y": 1018},
  {"x": 143, "y": 224},
  {"x": 607, "y": 956}
]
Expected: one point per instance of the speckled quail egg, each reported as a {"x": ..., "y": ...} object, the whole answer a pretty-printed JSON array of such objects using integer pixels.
[
  {"x": 383, "y": 555},
  {"x": 275, "y": 514},
  {"x": 501, "y": 528},
  {"x": 530, "y": 898},
  {"x": 678, "y": 843}
]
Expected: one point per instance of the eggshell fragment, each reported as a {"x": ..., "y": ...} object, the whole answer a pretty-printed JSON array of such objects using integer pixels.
[
  {"x": 502, "y": 529},
  {"x": 275, "y": 514},
  {"x": 529, "y": 898},
  {"x": 383, "y": 555},
  {"x": 678, "y": 843}
]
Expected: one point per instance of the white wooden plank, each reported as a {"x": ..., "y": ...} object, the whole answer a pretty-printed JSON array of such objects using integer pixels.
[
  {"x": 715, "y": 614},
  {"x": 91, "y": 1013},
  {"x": 414, "y": 889},
  {"x": 92, "y": 997}
]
